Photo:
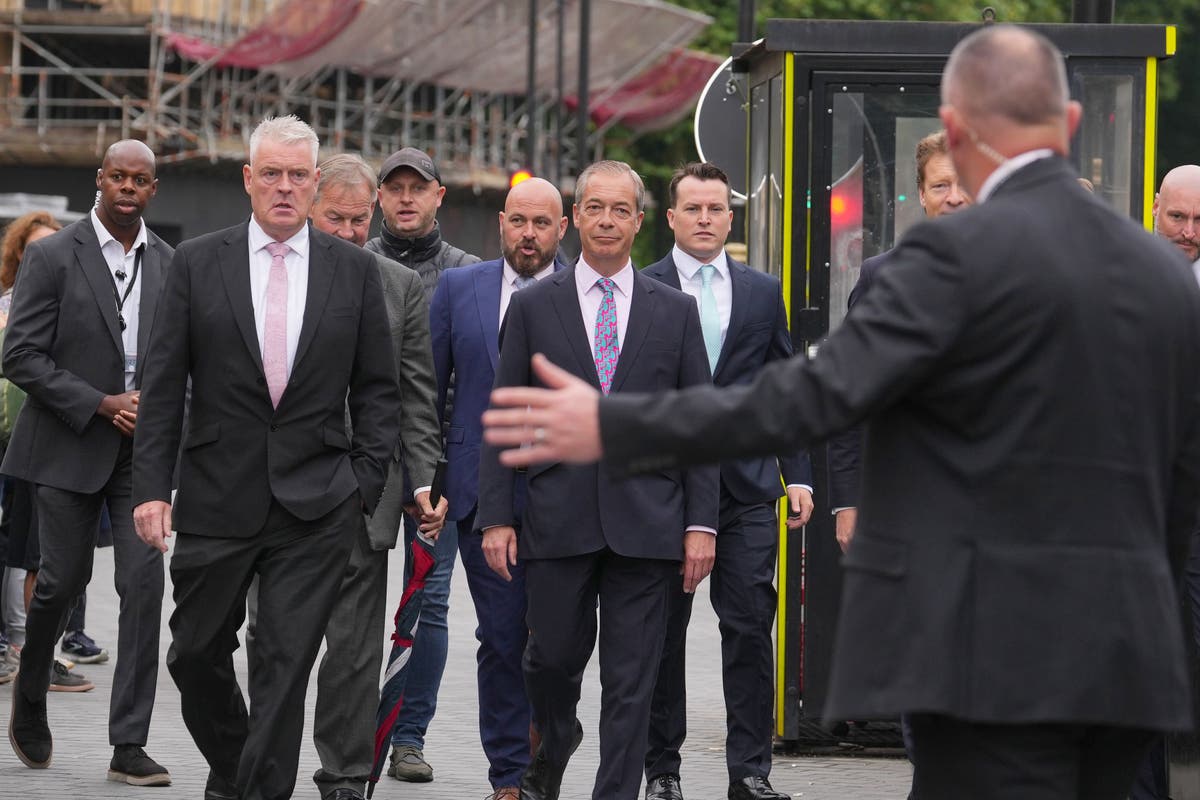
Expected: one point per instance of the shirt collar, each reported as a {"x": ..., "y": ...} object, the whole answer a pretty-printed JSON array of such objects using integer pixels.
[
  {"x": 1006, "y": 170},
  {"x": 586, "y": 277},
  {"x": 260, "y": 239},
  {"x": 510, "y": 274},
  {"x": 105, "y": 237},
  {"x": 688, "y": 265}
]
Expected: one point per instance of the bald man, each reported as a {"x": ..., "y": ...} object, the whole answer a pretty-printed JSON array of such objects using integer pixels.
[
  {"x": 1034, "y": 363},
  {"x": 1177, "y": 210},
  {"x": 466, "y": 314},
  {"x": 74, "y": 439}
]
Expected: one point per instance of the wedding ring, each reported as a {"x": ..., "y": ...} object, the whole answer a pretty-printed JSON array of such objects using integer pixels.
[{"x": 539, "y": 435}]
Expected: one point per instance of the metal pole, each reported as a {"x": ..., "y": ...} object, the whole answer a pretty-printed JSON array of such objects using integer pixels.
[
  {"x": 558, "y": 93},
  {"x": 585, "y": 30},
  {"x": 746, "y": 21},
  {"x": 531, "y": 93}
]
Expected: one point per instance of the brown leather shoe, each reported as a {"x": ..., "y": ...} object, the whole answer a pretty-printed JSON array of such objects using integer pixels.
[{"x": 506, "y": 793}]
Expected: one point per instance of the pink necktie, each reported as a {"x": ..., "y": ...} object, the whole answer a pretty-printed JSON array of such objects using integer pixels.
[{"x": 275, "y": 327}]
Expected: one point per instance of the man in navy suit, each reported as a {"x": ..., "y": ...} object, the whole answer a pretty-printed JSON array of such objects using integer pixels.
[
  {"x": 466, "y": 314},
  {"x": 586, "y": 534},
  {"x": 745, "y": 326}
]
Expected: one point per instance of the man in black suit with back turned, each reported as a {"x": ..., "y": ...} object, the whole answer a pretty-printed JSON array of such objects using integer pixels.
[
  {"x": 1030, "y": 369},
  {"x": 82, "y": 316},
  {"x": 281, "y": 328},
  {"x": 744, "y": 324},
  {"x": 586, "y": 534}
]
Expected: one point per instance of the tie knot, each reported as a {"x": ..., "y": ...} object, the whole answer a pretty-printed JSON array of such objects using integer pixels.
[
  {"x": 278, "y": 249},
  {"x": 524, "y": 282},
  {"x": 606, "y": 285},
  {"x": 706, "y": 274}
]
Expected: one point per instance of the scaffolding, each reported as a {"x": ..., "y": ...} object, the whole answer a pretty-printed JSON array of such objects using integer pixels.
[{"x": 193, "y": 77}]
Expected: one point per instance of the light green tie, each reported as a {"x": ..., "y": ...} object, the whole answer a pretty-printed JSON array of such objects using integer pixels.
[{"x": 710, "y": 318}]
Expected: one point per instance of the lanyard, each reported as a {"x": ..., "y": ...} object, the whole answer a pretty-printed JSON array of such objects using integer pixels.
[{"x": 117, "y": 295}]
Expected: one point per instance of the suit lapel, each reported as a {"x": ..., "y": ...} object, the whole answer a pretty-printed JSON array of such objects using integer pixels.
[
  {"x": 487, "y": 302},
  {"x": 322, "y": 263},
  {"x": 234, "y": 258},
  {"x": 95, "y": 270},
  {"x": 665, "y": 271},
  {"x": 570, "y": 316},
  {"x": 641, "y": 313},
  {"x": 741, "y": 287},
  {"x": 152, "y": 281}
]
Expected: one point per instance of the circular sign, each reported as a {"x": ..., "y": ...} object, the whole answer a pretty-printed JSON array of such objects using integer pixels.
[{"x": 720, "y": 125}]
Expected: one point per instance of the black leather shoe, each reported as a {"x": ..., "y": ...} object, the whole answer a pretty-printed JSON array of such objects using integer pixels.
[
  {"x": 217, "y": 788},
  {"x": 754, "y": 788},
  {"x": 345, "y": 794},
  {"x": 664, "y": 787},
  {"x": 542, "y": 781},
  {"x": 28, "y": 730}
]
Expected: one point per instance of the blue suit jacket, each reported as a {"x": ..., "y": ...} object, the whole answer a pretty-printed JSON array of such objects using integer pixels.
[
  {"x": 464, "y": 319},
  {"x": 758, "y": 333}
]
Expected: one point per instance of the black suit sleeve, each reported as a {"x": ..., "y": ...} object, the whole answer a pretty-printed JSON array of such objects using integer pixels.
[
  {"x": 373, "y": 394},
  {"x": 496, "y": 480},
  {"x": 796, "y": 467},
  {"x": 910, "y": 319},
  {"x": 701, "y": 484},
  {"x": 420, "y": 430},
  {"x": 164, "y": 387},
  {"x": 845, "y": 448},
  {"x": 29, "y": 340}
]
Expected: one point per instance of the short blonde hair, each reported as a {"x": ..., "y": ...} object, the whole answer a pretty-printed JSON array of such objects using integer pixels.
[
  {"x": 288, "y": 129},
  {"x": 611, "y": 168}
]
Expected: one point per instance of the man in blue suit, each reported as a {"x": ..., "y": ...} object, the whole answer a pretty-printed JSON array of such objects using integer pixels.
[
  {"x": 466, "y": 314},
  {"x": 745, "y": 326}
]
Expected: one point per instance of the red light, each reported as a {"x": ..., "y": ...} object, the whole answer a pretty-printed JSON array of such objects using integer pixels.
[
  {"x": 520, "y": 176},
  {"x": 838, "y": 205}
]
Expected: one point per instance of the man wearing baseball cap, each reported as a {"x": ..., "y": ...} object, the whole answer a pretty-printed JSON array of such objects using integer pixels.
[{"x": 410, "y": 193}]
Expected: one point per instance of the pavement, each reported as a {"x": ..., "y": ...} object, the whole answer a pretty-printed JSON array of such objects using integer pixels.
[{"x": 82, "y": 752}]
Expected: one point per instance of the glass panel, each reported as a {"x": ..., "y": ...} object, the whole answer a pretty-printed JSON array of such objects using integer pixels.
[
  {"x": 774, "y": 262},
  {"x": 873, "y": 140},
  {"x": 758, "y": 198},
  {"x": 1104, "y": 147}
]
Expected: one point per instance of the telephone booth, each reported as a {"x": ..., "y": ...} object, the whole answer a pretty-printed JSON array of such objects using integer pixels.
[{"x": 835, "y": 109}]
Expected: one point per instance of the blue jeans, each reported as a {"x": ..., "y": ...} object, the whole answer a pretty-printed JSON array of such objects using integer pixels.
[{"x": 428, "y": 659}]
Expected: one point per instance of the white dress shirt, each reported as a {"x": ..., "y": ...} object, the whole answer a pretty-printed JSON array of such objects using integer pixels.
[
  {"x": 1196, "y": 269},
  {"x": 117, "y": 259},
  {"x": 691, "y": 282},
  {"x": 591, "y": 295},
  {"x": 260, "y": 271},
  {"x": 508, "y": 285}
]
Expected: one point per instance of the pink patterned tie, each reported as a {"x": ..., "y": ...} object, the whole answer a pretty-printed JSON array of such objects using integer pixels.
[
  {"x": 275, "y": 327},
  {"x": 607, "y": 348}
]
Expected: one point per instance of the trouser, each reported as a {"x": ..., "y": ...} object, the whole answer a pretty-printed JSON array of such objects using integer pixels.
[
  {"x": 956, "y": 759},
  {"x": 742, "y": 590},
  {"x": 502, "y": 635},
  {"x": 562, "y": 595},
  {"x": 68, "y": 524},
  {"x": 300, "y": 565}
]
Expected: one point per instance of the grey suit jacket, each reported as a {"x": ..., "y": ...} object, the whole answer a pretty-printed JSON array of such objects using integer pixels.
[
  {"x": 63, "y": 347},
  {"x": 420, "y": 437}
]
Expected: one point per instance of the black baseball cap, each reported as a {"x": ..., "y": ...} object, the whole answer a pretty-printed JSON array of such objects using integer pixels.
[{"x": 414, "y": 159}]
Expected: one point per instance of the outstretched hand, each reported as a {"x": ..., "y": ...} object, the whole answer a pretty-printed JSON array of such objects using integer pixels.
[{"x": 558, "y": 423}]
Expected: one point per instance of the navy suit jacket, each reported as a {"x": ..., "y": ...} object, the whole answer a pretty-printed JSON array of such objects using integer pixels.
[
  {"x": 757, "y": 334},
  {"x": 574, "y": 510},
  {"x": 465, "y": 323}
]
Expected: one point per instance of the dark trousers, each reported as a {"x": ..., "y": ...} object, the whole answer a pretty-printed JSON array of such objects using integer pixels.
[
  {"x": 299, "y": 564},
  {"x": 348, "y": 676},
  {"x": 954, "y": 759},
  {"x": 562, "y": 595},
  {"x": 68, "y": 523},
  {"x": 502, "y": 635},
  {"x": 743, "y": 594}
]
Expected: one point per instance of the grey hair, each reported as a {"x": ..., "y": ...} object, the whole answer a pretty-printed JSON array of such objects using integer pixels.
[
  {"x": 610, "y": 168},
  {"x": 349, "y": 170},
  {"x": 1008, "y": 72},
  {"x": 288, "y": 129}
]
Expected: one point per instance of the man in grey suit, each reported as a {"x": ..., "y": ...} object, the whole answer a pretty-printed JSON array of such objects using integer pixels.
[
  {"x": 1034, "y": 363},
  {"x": 348, "y": 677},
  {"x": 280, "y": 329},
  {"x": 82, "y": 315}
]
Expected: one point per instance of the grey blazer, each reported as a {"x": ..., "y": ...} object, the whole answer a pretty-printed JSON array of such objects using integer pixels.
[
  {"x": 420, "y": 437},
  {"x": 63, "y": 347}
]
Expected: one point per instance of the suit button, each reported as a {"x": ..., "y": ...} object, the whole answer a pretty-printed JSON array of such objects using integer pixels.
[
  {"x": 274, "y": 428},
  {"x": 262, "y": 381}
]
